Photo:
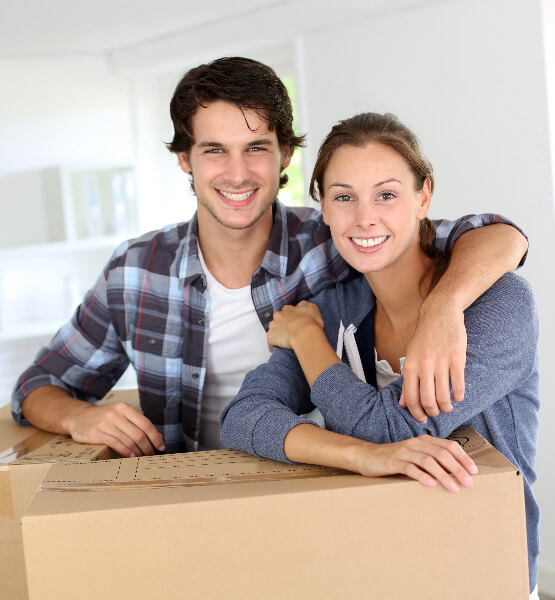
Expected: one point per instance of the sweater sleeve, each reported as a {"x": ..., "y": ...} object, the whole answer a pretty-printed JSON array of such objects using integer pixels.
[
  {"x": 267, "y": 407},
  {"x": 502, "y": 338}
]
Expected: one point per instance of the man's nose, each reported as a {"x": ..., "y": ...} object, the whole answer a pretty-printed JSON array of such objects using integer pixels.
[{"x": 237, "y": 171}]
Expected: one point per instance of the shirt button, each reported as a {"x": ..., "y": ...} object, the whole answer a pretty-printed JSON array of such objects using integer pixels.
[
  {"x": 201, "y": 321},
  {"x": 151, "y": 342},
  {"x": 195, "y": 375},
  {"x": 267, "y": 314}
]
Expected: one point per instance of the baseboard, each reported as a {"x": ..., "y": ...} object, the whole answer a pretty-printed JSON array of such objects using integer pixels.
[{"x": 546, "y": 581}]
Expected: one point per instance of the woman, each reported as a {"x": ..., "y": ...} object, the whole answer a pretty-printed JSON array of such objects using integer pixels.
[{"x": 375, "y": 188}]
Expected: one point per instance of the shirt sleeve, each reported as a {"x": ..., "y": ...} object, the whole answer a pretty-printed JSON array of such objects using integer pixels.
[
  {"x": 501, "y": 353},
  {"x": 85, "y": 357},
  {"x": 448, "y": 232}
]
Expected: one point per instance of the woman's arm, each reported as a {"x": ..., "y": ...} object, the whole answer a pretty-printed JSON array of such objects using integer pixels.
[
  {"x": 501, "y": 354},
  {"x": 261, "y": 420},
  {"x": 426, "y": 459}
]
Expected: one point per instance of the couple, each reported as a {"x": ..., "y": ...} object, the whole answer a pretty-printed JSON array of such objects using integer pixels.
[
  {"x": 188, "y": 305},
  {"x": 375, "y": 188}
]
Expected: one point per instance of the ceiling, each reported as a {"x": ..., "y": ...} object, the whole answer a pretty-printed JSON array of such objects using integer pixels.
[
  {"x": 53, "y": 27},
  {"x": 30, "y": 28}
]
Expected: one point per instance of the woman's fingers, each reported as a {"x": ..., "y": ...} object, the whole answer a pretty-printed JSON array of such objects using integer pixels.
[{"x": 430, "y": 461}]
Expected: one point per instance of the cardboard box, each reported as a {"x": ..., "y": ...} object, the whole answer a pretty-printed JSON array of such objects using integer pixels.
[
  {"x": 224, "y": 524},
  {"x": 26, "y": 454}
]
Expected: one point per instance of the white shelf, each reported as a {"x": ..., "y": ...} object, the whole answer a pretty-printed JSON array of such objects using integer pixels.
[
  {"x": 64, "y": 223},
  {"x": 89, "y": 244}
]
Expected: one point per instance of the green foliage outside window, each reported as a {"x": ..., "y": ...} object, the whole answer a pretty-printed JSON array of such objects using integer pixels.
[{"x": 293, "y": 193}]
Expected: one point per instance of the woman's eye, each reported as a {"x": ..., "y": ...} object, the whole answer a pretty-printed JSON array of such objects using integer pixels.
[
  {"x": 387, "y": 196},
  {"x": 343, "y": 198}
]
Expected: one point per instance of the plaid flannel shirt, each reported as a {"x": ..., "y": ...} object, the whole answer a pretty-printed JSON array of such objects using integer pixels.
[{"x": 149, "y": 307}]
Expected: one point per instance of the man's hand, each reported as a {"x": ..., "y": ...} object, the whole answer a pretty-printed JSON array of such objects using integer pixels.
[
  {"x": 292, "y": 321},
  {"x": 436, "y": 354},
  {"x": 118, "y": 425}
]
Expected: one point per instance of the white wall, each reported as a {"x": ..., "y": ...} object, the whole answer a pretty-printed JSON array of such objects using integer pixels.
[
  {"x": 468, "y": 76},
  {"x": 53, "y": 111},
  {"x": 56, "y": 110}
]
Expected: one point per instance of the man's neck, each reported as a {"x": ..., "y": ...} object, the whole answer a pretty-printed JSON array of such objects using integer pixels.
[{"x": 233, "y": 255}]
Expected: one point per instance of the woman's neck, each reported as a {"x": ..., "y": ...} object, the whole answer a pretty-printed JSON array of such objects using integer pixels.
[{"x": 399, "y": 290}]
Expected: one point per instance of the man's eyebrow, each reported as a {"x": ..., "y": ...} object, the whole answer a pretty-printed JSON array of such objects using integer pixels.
[
  {"x": 262, "y": 142},
  {"x": 210, "y": 145}
]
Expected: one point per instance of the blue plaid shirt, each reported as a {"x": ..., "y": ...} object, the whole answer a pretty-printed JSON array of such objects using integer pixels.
[{"x": 149, "y": 307}]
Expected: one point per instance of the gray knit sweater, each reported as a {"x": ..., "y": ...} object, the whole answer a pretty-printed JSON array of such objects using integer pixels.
[{"x": 501, "y": 394}]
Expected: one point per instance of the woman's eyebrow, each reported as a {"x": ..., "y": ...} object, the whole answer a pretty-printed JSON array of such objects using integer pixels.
[
  {"x": 387, "y": 181},
  {"x": 342, "y": 185},
  {"x": 348, "y": 186}
]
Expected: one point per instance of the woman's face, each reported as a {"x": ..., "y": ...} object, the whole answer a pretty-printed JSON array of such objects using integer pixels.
[{"x": 371, "y": 205}]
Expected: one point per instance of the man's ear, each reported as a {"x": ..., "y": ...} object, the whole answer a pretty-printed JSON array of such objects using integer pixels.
[
  {"x": 285, "y": 156},
  {"x": 425, "y": 200},
  {"x": 183, "y": 160}
]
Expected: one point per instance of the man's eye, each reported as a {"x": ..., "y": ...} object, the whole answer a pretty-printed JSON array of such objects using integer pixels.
[
  {"x": 256, "y": 149},
  {"x": 213, "y": 151}
]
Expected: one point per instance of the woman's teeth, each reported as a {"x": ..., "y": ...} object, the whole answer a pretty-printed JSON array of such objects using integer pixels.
[{"x": 369, "y": 242}]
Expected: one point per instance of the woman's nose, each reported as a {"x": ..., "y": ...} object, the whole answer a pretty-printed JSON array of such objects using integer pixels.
[{"x": 366, "y": 214}]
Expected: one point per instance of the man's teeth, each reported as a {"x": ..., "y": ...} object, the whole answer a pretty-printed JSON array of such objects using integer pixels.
[
  {"x": 236, "y": 197},
  {"x": 369, "y": 242}
]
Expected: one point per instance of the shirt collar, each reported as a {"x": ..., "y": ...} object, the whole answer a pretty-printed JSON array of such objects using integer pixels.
[
  {"x": 274, "y": 261},
  {"x": 189, "y": 265}
]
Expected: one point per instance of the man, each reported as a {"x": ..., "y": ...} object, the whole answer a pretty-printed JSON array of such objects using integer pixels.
[{"x": 188, "y": 305}]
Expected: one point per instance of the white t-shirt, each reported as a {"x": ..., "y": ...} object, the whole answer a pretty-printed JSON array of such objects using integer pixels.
[
  {"x": 385, "y": 373},
  {"x": 236, "y": 345}
]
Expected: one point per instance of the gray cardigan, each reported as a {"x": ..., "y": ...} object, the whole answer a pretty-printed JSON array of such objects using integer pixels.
[{"x": 501, "y": 394}]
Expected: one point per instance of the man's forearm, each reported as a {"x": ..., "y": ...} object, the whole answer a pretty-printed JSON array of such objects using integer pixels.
[
  {"x": 50, "y": 408},
  {"x": 479, "y": 258}
]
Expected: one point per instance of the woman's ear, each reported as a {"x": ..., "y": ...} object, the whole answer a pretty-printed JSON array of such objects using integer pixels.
[
  {"x": 424, "y": 199},
  {"x": 323, "y": 209}
]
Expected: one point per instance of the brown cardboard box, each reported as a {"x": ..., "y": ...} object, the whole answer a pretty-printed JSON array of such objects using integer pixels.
[
  {"x": 224, "y": 524},
  {"x": 26, "y": 454}
]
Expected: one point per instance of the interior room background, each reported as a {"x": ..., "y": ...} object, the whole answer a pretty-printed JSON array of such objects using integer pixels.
[{"x": 84, "y": 117}]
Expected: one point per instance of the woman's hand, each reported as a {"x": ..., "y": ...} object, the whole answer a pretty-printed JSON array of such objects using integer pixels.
[
  {"x": 427, "y": 459},
  {"x": 293, "y": 321}
]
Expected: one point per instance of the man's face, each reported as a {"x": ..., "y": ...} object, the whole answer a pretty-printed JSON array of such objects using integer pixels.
[{"x": 235, "y": 163}]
